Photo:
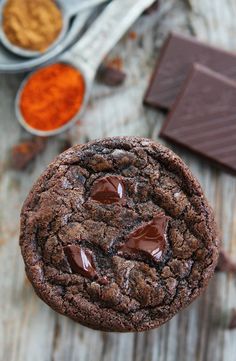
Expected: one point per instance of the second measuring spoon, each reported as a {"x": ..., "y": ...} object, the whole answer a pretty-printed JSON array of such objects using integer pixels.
[
  {"x": 89, "y": 52},
  {"x": 69, "y": 8}
]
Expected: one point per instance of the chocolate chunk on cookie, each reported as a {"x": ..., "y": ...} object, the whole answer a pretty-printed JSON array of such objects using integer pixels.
[{"x": 117, "y": 235}]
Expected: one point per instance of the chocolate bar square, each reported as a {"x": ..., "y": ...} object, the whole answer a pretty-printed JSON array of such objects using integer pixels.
[
  {"x": 177, "y": 56},
  {"x": 203, "y": 118}
]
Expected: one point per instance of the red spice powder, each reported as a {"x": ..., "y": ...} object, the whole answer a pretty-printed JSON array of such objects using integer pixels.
[
  {"x": 52, "y": 96},
  {"x": 116, "y": 63},
  {"x": 132, "y": 35}
]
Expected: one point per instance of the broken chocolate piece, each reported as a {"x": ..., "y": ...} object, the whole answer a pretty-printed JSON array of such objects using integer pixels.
[
  {"x": 225, "y": 263},
  {"x": 108, "y": 190},
  {"x": 203, "y": 118},
  {"x": 80, "y": 260},
  {"x": 26, "y": 151},
  {"x": 177, "y": 56},
  {"x": 111, "y": 76},
  {"x": 149, "y": 238}
]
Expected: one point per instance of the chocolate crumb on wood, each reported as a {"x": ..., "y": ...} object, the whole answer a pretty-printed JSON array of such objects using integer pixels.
[
  {"x": 232, "y": 322},
  {"x": 26, "y": 151},
  {"x": 225, "y": 263},
  {"x": 111, "y": 76}
]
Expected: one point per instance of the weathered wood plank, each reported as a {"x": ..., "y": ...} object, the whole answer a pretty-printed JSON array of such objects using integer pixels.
[{"x": 28, "y": 328}]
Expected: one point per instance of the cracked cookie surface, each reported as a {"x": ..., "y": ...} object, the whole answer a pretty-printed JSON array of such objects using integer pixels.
[{"x": 117, "y": 235}]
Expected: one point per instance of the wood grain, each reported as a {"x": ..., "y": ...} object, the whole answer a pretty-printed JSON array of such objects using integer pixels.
[{"x": 29, "y": 330}]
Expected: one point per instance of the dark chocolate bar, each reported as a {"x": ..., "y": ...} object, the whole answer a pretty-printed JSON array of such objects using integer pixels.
[
  {"x": 177, "y": 56},
  {"x": 203, "y": 118}
]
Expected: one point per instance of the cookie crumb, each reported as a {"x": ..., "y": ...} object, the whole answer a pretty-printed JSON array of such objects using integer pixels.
[
  {"x": 111, "y": 76},
  {"x": 232, "y": 322},
  {"x": 26, "y": 151},
  {"x": 225, "y": 263}
]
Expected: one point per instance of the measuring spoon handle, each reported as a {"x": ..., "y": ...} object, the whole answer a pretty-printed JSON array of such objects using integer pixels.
[{"x": 105, "y": 32}]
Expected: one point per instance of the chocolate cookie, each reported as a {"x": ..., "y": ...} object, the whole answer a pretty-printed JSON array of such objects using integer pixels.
[{"x": 117, "y": 235}]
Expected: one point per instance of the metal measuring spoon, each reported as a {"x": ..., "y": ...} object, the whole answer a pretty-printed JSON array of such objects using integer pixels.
[
  {"x": 69, "y": 8},
  {"x": 91, "y": 49},
  {"x": 11, "y": 63}
]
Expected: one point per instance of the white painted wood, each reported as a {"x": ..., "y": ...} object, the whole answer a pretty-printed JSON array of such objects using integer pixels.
[{"x": 30, "y": 330}]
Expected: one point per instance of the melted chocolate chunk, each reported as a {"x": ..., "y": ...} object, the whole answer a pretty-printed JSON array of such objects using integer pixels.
[
  {"x": 149, "y": 238},
  {"x": 108, "y": 190},
  {"x": 80, "y": 260}
]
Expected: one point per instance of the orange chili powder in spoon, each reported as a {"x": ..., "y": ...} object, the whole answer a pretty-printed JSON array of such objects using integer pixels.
[{"x": 52, "y": 96}]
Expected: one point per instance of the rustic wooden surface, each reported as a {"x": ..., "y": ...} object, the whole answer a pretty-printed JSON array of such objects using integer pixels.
[{"x": 29, "y": 330}]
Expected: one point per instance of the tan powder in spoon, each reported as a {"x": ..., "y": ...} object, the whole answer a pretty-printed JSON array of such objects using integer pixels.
[{"x": 32, "y": 24}]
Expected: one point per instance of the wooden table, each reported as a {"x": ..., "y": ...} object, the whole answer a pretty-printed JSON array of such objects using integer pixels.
[{"x": 29, "y": 330}]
